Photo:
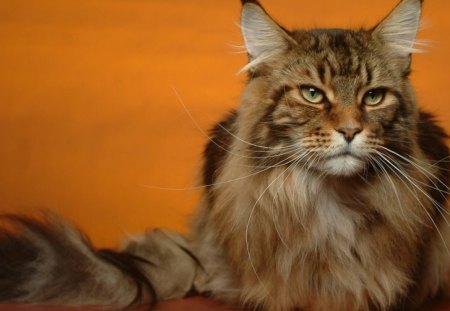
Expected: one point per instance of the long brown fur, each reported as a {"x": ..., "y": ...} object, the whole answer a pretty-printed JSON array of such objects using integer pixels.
[{"x": 285, "y": 230}]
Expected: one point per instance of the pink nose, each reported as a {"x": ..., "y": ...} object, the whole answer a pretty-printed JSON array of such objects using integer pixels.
[{"x": 349, "y": 133}]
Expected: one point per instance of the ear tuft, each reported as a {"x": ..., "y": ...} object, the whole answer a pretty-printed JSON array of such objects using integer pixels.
[
  {"x": 250, "y": 1},
  {"x": 262, "y": 35},
  {"x": 399, "y": 29}
]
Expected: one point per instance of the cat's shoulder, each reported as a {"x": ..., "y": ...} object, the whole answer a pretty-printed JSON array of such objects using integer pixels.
[{"x": 432, "y": 137}]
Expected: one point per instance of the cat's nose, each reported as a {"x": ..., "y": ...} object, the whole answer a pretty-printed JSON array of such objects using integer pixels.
[{"x": 349, "y": 133}]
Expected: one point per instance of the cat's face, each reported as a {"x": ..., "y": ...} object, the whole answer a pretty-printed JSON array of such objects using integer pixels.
[{"x": 330, "y": 100}]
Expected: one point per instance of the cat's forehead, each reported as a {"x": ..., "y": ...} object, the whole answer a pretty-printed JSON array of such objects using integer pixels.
[
  {"x": 337, "y": 53},
  {"x": 333, "y": 40}
]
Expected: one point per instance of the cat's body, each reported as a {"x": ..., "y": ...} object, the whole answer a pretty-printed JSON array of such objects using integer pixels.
[
  {"x": 320, "y": 243},
  {"x": 325, "y": 189}
]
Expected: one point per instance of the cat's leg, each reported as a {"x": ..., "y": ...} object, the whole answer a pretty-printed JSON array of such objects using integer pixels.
[
  {"x": 433, "y": 276},
  {"x": 171, "y": 265},
  {"x": 219, "y": 280}
]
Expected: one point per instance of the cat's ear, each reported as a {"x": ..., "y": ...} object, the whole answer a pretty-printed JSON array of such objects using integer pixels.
[
  {"x": 399, "y": 29},
  {"x": 262, "y": 35}
]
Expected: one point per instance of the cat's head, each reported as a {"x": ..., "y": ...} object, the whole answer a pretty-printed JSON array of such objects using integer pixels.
[{"x": 330, "y": 99}]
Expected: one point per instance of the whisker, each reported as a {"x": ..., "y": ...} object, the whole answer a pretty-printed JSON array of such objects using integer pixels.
[
  {"x": 255, "y": 145},
  {"x": 272, "y": 210},
  {"x": 281, "y": 163},
  {"x": 394, "y": 188},
  {"x": 423, "y": 207},
  {"x": 415, "y": 181},
  {"x": 406, "y": 175},
  {"x": 419, "y": 167},
  {"x": 204, "y": 133},
  {"x": 249, "y": 221}
]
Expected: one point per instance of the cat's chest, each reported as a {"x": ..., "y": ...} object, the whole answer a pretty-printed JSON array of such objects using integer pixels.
[
  {"x": 304, "y": 224},
  {"x": 313, "y": 214},
  {"x": 329, "y": 220},
  {"x": 295, "y": 235}
]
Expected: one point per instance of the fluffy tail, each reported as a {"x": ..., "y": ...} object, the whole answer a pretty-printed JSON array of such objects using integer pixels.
[{"x": 44, "y": 260}]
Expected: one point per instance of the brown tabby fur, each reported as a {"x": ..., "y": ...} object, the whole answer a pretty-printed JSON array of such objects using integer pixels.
[
  {"x": 295, "y": 236},
  {"x": 335, "y": 205}
]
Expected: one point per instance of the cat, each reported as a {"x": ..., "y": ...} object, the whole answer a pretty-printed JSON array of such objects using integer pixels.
[{"x": 325, "y": 189}]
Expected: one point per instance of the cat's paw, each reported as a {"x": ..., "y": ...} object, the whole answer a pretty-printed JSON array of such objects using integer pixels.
[{"x": 170, "y": 264}]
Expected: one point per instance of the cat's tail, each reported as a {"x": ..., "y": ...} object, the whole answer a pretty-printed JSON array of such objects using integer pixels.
[{"x": 43, "y": 260}]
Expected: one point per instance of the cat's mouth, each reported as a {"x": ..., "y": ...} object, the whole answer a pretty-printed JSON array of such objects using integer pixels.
[
  {"x": 344, "y": 163},
  {"x": 343, "y": 154}
]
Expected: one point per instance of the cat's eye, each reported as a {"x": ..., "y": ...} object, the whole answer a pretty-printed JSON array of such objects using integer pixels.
[
  {"x": 374, "y": 97},
  {"x": 312, "y": 94}
]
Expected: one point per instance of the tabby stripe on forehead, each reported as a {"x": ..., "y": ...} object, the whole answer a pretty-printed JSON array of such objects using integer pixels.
[
  {"x": 357, "y": 70},
  {"x": 308, "y": 73},
  {"x": 332, "y": 69},
  {"x": 369, "y": 74},
  {"x": 321, "y": 72}
]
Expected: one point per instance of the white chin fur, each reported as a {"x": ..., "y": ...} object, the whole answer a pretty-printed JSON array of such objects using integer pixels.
[{"x": 343, "y": 166}]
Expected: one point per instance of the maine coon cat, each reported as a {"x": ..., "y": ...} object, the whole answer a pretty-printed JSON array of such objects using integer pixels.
[{"x": 325, "y": 189}]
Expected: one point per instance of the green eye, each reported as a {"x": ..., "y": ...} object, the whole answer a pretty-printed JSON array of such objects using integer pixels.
[
  {"x": 373, "y": 97},
  {"x": 312, "y": 94}
]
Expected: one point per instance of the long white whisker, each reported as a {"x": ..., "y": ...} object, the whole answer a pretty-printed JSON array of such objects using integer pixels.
[
  {"x": 206, "y": 135},
  {"x": 266, "y": 168},
  {"x": 411, "y": 180},
  {"x": 249, "y": 220},
  {"x": 301, "y": 157},
  {"x": 407, "y": 177},
  {"x": 255, "y": 145},
  {"x": 423, "y": 207},
  {"x": 394, "y": 188},
  {"x": 428, "y": 174}
]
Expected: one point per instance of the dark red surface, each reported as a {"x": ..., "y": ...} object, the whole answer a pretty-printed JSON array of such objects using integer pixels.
[{"x": 194, "y": 304}]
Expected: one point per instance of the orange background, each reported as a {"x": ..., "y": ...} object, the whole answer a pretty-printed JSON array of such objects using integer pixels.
[{"x": 89, "y": 117}]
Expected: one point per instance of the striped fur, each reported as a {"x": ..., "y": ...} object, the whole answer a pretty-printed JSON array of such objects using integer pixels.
[
  {"x": 306, "y": 215},
  {"x": 44, "y": 260}
]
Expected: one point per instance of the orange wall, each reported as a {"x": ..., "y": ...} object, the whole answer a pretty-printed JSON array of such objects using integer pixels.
[{"x": 88, "y": 116}]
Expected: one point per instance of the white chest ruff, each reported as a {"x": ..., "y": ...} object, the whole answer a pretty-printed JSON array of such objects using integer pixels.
[{"x": 314, "y": 248}]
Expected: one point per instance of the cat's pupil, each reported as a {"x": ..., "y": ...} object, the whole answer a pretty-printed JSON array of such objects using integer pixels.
[{"x": 313, "y": 92}]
